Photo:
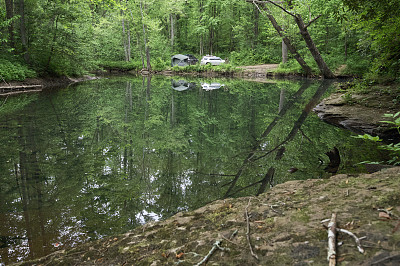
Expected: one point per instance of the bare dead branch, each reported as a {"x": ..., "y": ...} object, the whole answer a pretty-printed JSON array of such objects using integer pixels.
[
  {"x": 273, "y": 3},
  {"x": 243, "y": 188},
  {"x": 358, "y": 242},
  {"x": 313, "y": 20},
  {"x": 248, "y": 230},
  {"x": 332, "y": 240},
  {"x": 11, "y": 87},
  {"x": 216, "y": 246},
  {"x": 18, "y": 92}
]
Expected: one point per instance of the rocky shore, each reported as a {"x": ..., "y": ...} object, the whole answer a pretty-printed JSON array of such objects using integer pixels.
[
  {"x": 360, "y": 113},
  {"x": 284, "y": 226}
]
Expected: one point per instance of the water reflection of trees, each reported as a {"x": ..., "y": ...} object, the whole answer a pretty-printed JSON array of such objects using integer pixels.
[
  {"x": 280, "y": 148},
  {"x": 104, "y": 157}
]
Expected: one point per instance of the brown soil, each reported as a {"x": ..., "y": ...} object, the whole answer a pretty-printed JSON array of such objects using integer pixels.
[
  {"x": 260, "y": 68},
  {"x": 285, "y": 228},
  {"x": 258, "y": 72}
]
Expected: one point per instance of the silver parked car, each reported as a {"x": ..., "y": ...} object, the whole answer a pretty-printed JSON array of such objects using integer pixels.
[{"x": 211, "y": 60}]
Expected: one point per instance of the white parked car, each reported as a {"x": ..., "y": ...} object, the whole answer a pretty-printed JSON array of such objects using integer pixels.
[
  {"x": 211, "y": 60},
  {"x": 211, "y": 86}
]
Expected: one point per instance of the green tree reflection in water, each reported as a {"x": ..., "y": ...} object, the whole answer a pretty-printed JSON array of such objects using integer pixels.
[{"x": 103, "y": 157}]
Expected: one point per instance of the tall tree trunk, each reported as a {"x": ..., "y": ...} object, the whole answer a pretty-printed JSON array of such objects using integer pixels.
[
  {"x": 256, "y": 24},
  {"x": 172, "y": 21},
  {"x": 284, "y": 53},
  {"x": 129, "y": 42},
  {"x": 124, "y": 41},
  {"x": 23, "y": 31},
  {"x": 285, "y": 40},
  {"x": 9, "y": 15},
  {"x": 53, "y": 44},
  {"x": 146, "y": 47},
  {"x": 126, "y": 35},
  {"x": 290, "y": 47},
  {"x": 323, "y": 67},
  {"x": 201, "y": 43},
  {"x": 137, "y": 39}
]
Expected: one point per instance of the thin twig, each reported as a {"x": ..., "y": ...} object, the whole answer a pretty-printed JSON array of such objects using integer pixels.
[
  {"x": 313, "y": 20},
  {"x": 4, "y": 80},
  {"x": 358, "y": 242},
  {"x": 275, "y": 4},
  {"x": 248, "y": 230},
  {"x": 4, "y": 101},
  {"x": 233, "y": 234},
  {"x": 304, "y": 135},
  {"x": 272, "y": 208},
  {"x": 266, "y": 10},
  {"x": 386, "y": 258}
]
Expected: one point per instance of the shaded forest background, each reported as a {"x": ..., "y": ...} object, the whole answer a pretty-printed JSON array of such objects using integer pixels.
[{"x": 75, "y": 37}]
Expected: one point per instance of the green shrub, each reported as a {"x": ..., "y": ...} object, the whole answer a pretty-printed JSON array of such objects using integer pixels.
[
  {"x": 357, "y": 65},
  {"x": 14, "y": 71},
  {"x": 223, "y": 68},
  {"x": 394, "y": 148},
  {"x": 292, "y": 66},
  {"x": 120, "y": 65}
]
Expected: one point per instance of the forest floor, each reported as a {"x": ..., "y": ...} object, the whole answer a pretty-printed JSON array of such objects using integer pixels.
[
  {"x": 260, "y": 68},
  {"x": 284, "y": 226}
]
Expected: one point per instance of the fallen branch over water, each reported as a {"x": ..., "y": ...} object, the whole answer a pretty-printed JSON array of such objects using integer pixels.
[
  {"x": 17, "y": 87},
  {"x": 18, "y": 92}
]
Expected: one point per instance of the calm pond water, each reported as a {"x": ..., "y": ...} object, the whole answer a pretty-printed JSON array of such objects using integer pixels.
[{"x": 105, "y": 156}]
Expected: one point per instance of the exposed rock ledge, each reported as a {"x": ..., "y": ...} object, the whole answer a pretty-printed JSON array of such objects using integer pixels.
[
  {"x": 285, "y": 228},
  {"x": 359, "y": 113}
]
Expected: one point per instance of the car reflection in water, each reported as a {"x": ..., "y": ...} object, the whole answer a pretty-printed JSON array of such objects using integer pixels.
[
  {"x": 181, "y": 85},
  {"x": 211, "y": 86}
]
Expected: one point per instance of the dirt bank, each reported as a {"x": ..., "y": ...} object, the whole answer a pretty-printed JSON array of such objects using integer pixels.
[{"x": 283, "y": 227}]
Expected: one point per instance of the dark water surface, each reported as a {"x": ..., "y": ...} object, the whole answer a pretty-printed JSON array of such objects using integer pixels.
[{"x": 103, "y": 157}]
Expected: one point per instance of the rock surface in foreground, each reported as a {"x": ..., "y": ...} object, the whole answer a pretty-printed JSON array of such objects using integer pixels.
[{"x": 285, "y": 228}]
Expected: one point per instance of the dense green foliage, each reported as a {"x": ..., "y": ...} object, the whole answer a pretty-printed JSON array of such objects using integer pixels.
[
  {"x": 76, "y": 36},
  {"x": 14, "y": 70},
  {"x": 379, "y": 25}
]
